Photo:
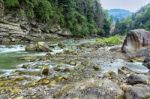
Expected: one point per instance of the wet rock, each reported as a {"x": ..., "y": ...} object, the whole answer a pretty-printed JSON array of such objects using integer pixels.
[
  {"x": 31, "y": 47},
  {"x": 45, "y": 71},
  {"x": 44, "y": 81},
  {"x": 39, "y": 46},
  {"x": 137, "y": 79},
  {"x": 135, "y": 40},
  {"x": 62, "y": 69},
  {"x": 91, "y": 89},
  {"x": 61, "y": 45},
  {"x": 96, "y": 68},
  {"x": 147, "y": 62},
  {"x": 42, "y": 46},
  {"x": 110, "y": 74},
  {"x": 138, "y": 91},
  {"x": 3, "y": 96},
  {"x": 21, "y": 97}
]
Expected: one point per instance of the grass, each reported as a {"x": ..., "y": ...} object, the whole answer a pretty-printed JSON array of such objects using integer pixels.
[{"x": 113, "y": 40}]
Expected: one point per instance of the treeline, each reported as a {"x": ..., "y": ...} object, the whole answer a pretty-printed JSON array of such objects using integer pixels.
[
  {"x": 140, "y": 19},
  {"x": 81, "y": 17}
]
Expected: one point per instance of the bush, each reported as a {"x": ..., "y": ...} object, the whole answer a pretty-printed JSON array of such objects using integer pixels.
[
  {"x": 114, "y": 40},
  {"x": 11, "y": 3},
  {"x": 44, "y": 10}
]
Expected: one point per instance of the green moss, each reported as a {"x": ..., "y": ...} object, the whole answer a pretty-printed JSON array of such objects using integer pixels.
[{"x": 114, "y": 40}]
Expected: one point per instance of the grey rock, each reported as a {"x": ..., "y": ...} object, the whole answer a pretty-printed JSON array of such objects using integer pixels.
[
  {"x": 138, "y": 92},
  {"x": 138, "y": 79},
  {"x": 91, "y": 89},
  {"x": 147, "y": 62},
  {"x": 39, "y": 46},
  {"x": 135, "y": 40}
]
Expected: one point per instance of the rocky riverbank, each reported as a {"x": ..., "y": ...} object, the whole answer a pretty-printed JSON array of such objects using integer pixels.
[{"x": 81, "y": 71}]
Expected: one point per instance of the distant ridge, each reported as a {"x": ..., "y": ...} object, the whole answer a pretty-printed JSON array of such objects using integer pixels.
[{"x": 119, "y": 14}]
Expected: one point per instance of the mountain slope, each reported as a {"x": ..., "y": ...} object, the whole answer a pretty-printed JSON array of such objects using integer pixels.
[
  {"x": 119, "y": 14},
  {"x": 81, "y": 17},
  {"x": 141, "y": 19}
]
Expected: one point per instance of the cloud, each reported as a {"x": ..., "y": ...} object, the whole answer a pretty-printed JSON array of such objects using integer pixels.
[{"x": 132, "y": 5}]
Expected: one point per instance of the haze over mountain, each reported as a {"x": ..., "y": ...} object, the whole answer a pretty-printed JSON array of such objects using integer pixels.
[
  {"x": 131, "y": 5},
  {"x": 119, "y": 14}
]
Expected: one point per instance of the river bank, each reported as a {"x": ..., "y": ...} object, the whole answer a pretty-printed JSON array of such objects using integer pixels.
[{"x": 79, "y": 69}]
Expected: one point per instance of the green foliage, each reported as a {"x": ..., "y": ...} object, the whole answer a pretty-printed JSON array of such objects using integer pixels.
[
  {"x": 114, "y": 40},
  {"x": 106, "y": 25},
  {"x": 44, "y": 10},
  {"x": 123, "y": 26},
  {"x": 81, "y": 17},
  {"x": 142, "y": 18},
  {"x": 11, "y": 3}
]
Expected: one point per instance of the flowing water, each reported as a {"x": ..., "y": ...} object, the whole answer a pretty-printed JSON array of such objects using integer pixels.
[{"x": 10, "y": 57}]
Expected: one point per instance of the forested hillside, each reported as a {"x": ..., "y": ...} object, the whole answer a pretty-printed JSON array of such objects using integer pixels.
[
  {"x": 81, "y": 17},
  {"x": 140, "y": 19}
]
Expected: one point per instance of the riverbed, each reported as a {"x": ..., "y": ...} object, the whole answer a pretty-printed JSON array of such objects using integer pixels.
[{"x": 76, "y": 60}]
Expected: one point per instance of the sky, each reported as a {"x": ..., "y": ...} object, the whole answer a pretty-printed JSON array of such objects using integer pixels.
[{"x": 131, "y": 5}]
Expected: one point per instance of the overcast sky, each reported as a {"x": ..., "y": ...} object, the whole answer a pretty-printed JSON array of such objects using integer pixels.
[{"x": 132, "y": 5}]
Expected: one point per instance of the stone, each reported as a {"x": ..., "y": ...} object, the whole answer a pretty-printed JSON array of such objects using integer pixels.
[
  {"x": 65, "y": 33},
  {"x": 11, "y": 31},
  {"x": 45, "y": 71},
  {"x": 138, "y": 91},
  {"x": 136, "y": 40},
  {"x": 146, "y": 62},
  {"x": 91, "y": 89},
  {"x": 31, "y": 47},
  {"x": 55, "y": 28},
  {"x": 138, "y": 79},
  {"x": 42, "y": 46},
  {"x": 5, "y": 41},
  {"x": 96, "y": 68},
  {"x": 61, "y": 45},
  {"x": 39, "y": 46}
]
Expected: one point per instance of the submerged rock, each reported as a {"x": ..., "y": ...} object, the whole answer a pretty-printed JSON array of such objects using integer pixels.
[{"x": 135, "y": 40}]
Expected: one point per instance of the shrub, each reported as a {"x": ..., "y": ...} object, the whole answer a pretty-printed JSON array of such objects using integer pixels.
[
  {"x": 114, "y": 40},
  {"x": 44, "y": 10},
  {"x": 11, "y": 3}
]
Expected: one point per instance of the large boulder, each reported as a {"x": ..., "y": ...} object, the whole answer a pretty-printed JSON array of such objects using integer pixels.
[
  {"x": 39, "y": 46},
  {"x": 136, "y": 40},
  {"x": 138, "y": 79},
  {"x": 138, "y": 91},
  {"x": 1, "y": 8},
  {"x": 90, "y": 89}
]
